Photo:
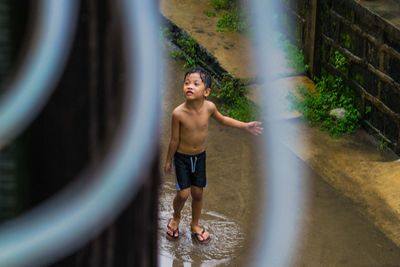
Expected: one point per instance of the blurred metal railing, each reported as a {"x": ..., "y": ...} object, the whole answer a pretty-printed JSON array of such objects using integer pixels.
[
  {"x": 81, "y": 211},
  {"x": 29, "y": 88},
  {"x": 280, "y": 222}
]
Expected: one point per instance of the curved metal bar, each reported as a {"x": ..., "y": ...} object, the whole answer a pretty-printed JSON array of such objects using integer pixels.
[
  {"x": 80, "y": 212},
  {"x": 281, "y": 219},
  {"x": 31, "y": 86}
]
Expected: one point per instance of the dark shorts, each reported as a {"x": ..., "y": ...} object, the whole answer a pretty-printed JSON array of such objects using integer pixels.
[{"x": 190, "y": 170}]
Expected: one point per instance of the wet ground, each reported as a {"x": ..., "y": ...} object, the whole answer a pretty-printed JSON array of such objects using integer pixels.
[{"x": 335, "y": 233}]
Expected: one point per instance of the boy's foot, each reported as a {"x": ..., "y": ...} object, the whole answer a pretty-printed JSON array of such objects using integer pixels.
[
  {"x": 172, "y": 229},
  {"x": 201, "y": 235}
]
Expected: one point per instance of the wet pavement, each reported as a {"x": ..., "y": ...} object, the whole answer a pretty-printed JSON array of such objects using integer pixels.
[
  {"x": 355, "y": 165},
  {"x": 232, "y": 177},
  {"x": 335, "y": 232}
]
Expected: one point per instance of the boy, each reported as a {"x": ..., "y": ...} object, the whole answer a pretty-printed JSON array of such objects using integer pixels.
[{"x": 187, "y": 145}]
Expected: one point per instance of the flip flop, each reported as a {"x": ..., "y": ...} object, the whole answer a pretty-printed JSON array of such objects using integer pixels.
[
  {"x": 172, "y": 233},
  {"x": 197, "y": 235}
]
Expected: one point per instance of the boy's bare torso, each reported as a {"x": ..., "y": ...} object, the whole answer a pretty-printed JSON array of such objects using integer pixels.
[{"x": 193, "y": 127}]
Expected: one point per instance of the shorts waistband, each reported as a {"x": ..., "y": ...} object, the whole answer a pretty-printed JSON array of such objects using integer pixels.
[{"x": 187, "y": 155}]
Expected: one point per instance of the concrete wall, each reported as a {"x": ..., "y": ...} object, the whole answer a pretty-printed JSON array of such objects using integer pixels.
[{"x": 368, "y": 35}]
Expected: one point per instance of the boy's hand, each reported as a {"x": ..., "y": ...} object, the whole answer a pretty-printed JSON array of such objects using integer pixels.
[
  {"x": 254, "y": 127},
  {"x": 168, "y": 168}
]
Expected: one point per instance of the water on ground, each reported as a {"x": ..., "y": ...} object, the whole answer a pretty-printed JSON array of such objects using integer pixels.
[{"x": 334, "y": 234}]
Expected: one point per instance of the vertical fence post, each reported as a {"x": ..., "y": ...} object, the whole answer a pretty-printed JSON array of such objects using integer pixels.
[{"x": 310, "y": 38}]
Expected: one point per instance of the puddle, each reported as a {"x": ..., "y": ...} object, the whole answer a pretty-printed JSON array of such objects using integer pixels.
[{"x": 226, "y": 236}]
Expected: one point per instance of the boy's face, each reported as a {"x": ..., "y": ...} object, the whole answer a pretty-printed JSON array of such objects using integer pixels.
[{"x": 194, "y": 87}]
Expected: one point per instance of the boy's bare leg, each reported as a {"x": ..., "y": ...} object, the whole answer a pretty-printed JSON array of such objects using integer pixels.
[
  {"x": 178, "y": 203},
  {"x": 197, "y": 205}
]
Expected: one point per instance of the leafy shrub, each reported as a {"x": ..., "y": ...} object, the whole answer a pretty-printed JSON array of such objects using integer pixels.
[{"x": 331, "y": 93}]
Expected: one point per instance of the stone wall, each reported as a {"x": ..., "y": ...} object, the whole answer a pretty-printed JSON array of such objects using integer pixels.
[{"x": 366, "y": 33}]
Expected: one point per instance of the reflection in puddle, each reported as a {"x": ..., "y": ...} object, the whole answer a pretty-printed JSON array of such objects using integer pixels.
[{"x": 226, "y": 236}]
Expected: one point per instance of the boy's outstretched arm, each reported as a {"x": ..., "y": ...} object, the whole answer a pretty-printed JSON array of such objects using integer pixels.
[
  {"x": 173, "y": 143},
  {"x": 253, "y": 127}
]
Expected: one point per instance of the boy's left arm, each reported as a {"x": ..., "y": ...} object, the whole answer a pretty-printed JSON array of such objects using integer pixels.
[{"x": 253, "y": 127}]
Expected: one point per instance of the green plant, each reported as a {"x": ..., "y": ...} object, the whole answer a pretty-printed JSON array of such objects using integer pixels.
[
  {"x": 165, "y": 32},
  {"x": 331, "y": 93},
  {"x": 230, "y": 92},
  {"x": 188, "y": 52},
  {"x": 230, "y": 89},
  {"x": 294, "y": 55},
  {"x": 230, "y": 15},
  {"x": 177, "y": 54},
  {"x": 231, "y": 96},
  {"x": 187, "y": 44},
  {"x": 339, "y": 61},
  {"x": 231, "y": 21},
  {"x": 221, "y": 4},
  {"x": 346, "y": 40},
  {"x": 210, "y": 13},
  {"x": 383, "y": 144}
]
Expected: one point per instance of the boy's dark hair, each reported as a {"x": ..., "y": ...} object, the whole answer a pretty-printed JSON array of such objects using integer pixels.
[{"x": 204, "y": 75}]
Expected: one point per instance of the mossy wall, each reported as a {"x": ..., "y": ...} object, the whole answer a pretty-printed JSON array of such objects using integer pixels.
[{"x": 371, "y": 45}]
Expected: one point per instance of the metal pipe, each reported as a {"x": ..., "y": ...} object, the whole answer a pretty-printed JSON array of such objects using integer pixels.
[{"x": 80, "y": 212}]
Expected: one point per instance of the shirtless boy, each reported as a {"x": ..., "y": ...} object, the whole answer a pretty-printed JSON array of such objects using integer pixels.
[{"x": 186, "y": 151}]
